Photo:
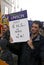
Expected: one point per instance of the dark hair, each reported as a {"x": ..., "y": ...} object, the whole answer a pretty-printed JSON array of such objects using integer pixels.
[
  {"x": 37, "y": 22},
  {"x": 7, "y": 33}
]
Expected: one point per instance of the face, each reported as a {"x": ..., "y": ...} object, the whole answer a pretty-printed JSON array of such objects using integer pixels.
[
  {"x": 5, "y": 28},
  {"x": 35, "y": 28}
]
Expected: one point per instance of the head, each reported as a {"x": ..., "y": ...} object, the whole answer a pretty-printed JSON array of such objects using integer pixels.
[
  {"x": 35, "y": 27},
  {"x": 5, "y": 28}
]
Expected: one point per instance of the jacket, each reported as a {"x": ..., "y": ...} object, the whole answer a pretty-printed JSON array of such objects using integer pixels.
[
  {"x": 5, "y": 54},
  {"x": 28, "y": 56}
]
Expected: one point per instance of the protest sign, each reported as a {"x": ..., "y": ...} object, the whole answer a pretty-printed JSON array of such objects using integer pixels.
[{"x": 19, "y": 28}]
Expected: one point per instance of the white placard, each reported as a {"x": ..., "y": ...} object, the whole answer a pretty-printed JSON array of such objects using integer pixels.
[{"x": 19, "y": 30}]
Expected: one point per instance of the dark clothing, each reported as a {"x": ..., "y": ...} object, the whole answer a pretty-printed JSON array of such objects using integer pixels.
[
  {"x": 42, "y": 49},
  {"x": 28, "y": 56},
  {"x": 4, "y": 53},
  {"x": 6, "y": 35},
  {"x": 7, "y": 57},
  {"x": 3, "y": 43}
]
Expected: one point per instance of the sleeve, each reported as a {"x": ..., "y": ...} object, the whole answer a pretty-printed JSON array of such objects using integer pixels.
[
  {"x": 42, "y": 51},
  {"x": 35, "y": 52},
  {"x": 9, "y": 58}
]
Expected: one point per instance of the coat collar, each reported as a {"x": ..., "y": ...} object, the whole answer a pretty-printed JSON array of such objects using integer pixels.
[{"x": 37, "y": 38}]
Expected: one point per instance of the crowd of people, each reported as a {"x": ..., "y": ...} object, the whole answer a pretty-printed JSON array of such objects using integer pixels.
[{"x": 29, "y": 53}]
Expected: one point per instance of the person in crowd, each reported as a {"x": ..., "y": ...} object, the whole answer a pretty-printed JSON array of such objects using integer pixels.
[
  {"x": 5, "y": 54},
  {"x": 32, "y": 51},
  {"x": 6, "y": 35},
  {"x": 6, "y": 32}
]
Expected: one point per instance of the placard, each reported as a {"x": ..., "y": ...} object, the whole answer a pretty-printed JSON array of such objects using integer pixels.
[{"x": 19, "y": 28}]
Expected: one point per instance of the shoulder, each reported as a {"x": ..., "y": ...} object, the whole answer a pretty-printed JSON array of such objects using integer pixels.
[
  {"x": 42, "y": 40},
  {"x": 41, "y": 37}
]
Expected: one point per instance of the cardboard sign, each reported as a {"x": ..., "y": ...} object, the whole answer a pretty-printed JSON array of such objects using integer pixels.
[{"x": 19, "y": 29}]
